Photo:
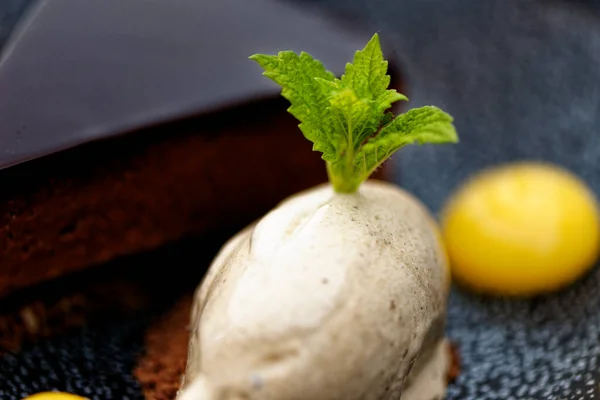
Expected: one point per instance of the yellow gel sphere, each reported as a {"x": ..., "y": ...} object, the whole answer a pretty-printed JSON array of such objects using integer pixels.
[
  {"x": 521, "y": 229},
  {"x": 54, "y": 396}
]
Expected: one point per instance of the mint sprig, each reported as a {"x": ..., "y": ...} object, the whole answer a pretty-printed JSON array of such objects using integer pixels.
[{"x": 347, "y": 119}]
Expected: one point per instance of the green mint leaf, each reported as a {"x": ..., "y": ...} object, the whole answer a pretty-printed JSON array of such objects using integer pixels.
[
  {"x": 352, "y": 115},
  {"x": 367, "y": 74},
  {"x": 386, "y": 99},
  {"x": 347, "y": 119},
  {"x": 296, "y": 75},
  {"x": 426, "y": 124},
  {"x": 387, "y": 118}
]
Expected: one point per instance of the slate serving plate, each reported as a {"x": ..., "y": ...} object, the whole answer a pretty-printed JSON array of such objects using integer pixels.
[{"x": 522, "y": 79}]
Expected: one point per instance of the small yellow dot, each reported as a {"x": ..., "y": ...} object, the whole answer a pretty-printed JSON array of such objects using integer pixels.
[
  {"x": 521, "y": 229},
  {"x": 54, "y": 396}
]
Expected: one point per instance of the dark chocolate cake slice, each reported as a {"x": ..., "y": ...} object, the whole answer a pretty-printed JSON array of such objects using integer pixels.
[{"x": 119, "y": 136}]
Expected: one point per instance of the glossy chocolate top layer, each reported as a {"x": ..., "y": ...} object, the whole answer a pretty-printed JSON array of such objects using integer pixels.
[{"x": 77, "y": 71}]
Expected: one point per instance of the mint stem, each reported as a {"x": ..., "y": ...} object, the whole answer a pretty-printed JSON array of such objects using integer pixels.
[{"x": 341, "y": 177}]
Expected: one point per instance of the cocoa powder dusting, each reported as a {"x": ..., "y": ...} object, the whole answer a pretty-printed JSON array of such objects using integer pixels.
[{"x": 454, "y": 370}]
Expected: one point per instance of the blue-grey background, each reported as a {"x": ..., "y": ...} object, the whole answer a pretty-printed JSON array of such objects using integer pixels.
[{"x": 522, "y": 79}]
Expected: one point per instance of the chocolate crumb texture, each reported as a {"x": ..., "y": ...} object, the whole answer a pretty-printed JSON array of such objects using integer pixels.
[
  {"x": 160, "y": 369},
  {"x": 454, "y": 370}
]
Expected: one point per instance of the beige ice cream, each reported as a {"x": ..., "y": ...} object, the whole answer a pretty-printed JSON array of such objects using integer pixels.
[{"x": 328, "y": 297}]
